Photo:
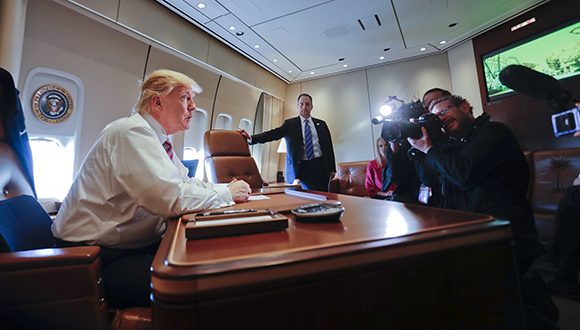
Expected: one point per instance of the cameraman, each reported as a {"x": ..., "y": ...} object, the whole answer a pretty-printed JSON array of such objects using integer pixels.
[
  {"x": 481, "y": 169},
  {"x": 567, "y": 242},
  {"x": 400, "y": 180}
]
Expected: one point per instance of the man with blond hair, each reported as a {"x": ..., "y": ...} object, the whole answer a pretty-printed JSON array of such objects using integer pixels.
[{"x": 129, "y": 184}]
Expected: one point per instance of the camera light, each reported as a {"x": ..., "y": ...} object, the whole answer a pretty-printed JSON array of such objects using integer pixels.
[{"x": 386, "y": 109}]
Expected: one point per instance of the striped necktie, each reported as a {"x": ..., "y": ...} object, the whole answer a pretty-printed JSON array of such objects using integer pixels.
[
  {"x": 308, "y": 140},
  {"x": 168, "y": 148}
]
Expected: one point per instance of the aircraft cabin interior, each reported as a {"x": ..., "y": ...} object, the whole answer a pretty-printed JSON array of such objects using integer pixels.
[{"x": 332, "y": 258}]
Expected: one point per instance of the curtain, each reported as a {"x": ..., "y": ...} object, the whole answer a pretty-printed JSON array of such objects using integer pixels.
[{"x": 272, "y": 117}]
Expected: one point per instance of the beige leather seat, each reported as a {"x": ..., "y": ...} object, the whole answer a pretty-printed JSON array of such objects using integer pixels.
[{"x": 228, "y": 157}]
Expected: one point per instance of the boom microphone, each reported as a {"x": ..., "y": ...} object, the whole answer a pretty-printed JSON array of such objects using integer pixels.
[
  {"x": 530, "y": 82},
  {"x": 536, "y": 84}
]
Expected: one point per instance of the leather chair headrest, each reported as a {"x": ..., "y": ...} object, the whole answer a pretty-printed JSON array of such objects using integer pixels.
[{"x": 225, "y": 143}]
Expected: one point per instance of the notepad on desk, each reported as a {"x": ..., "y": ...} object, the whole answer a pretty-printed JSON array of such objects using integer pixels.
[{"x": 217, "y": 224}]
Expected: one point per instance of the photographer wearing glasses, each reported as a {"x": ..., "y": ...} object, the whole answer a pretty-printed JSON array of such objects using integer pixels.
[{"x": 481, "y": 169}]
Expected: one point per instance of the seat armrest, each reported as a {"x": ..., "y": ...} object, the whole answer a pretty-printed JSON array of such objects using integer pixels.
[
  {"x": 53, "y": 289},
  {"x": 57, "y": 257}
]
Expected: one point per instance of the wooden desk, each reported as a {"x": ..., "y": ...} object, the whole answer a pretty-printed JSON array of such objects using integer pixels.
[{"x": 384, "y": 265}]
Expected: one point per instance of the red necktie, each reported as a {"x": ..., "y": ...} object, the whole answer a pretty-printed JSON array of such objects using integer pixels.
[{"x": 168, "y": 148}]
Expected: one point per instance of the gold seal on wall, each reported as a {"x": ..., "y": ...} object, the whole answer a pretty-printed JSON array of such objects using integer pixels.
[{"x": 52, "y": 104}]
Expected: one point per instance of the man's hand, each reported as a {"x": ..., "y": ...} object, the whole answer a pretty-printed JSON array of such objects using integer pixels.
[
  {"x": 244, "y": 133},
  {"x": 240, "y": 190},
  {"x": 423, "y": 144}
]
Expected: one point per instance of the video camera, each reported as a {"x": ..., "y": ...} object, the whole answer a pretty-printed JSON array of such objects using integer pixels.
[
  {"x": 398, "y": 125},
  {"x": 524, "y": 80}
]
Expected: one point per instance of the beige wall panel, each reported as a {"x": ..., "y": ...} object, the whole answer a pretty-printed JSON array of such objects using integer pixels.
[
  {"x": 270, "y": 84},
  {"x": 292, "y": 92},
  {"x": 109, "y": 63},
  {"x": 226, "y": 59},
  {"x": 342, "y": 101},
  {"x": 238, "y": 100},
  {"x": 106, "y": 8},
  {"x": 464, "y": 75},
  {"x": 407, "y": 80},
  {"x": 155, "y": 21}
]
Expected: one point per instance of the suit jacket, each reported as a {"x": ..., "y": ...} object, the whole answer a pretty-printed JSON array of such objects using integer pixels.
[
  {"x": 291, "y": 130},
  {"x": 12, "y": 118}
]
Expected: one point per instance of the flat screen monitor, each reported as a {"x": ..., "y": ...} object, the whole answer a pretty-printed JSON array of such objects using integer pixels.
[{"x": 555, "y": 53}]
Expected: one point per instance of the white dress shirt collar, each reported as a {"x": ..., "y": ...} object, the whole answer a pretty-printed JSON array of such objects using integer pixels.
[{"x": 156, "y": 126}]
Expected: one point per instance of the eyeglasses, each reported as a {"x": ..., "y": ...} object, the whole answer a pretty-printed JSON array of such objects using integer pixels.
[{"x": 443, "y": 112}]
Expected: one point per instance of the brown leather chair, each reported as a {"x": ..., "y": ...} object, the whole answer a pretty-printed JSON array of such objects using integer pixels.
[
  {"x": 350, "y": 179},
  {"x": 44, "y": 287},
  {"x": 227, "y": 157}
]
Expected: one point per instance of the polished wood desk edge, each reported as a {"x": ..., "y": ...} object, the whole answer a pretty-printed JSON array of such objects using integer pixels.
[
  {"x": 163, "y": 267},
  {"x": 286, "y": 255},
  {"x": 178, "y": 283}
]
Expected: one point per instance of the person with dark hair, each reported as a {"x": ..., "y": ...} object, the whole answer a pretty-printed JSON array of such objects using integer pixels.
[
  {"x": 400, "y": 180},
  {"x": 12, "y": 124},
  {"x": 482, "y": 169},
  {"x": 310, "y": 155},
  {"x": 433, "y": 94},
  {"x": 131, "y": 182}
]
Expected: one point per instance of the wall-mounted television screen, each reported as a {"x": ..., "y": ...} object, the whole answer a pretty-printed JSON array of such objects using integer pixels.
[{"x": 555, "y": 53}]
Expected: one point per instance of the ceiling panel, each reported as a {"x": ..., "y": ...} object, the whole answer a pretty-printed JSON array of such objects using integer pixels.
[{"x": 305, "y": 39}]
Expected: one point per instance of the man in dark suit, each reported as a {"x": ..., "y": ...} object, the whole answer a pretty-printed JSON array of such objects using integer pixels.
[{"x": 313, "y": 163}]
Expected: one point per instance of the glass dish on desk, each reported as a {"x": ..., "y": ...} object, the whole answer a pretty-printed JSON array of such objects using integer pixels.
[{"x": 328, "y": 211}]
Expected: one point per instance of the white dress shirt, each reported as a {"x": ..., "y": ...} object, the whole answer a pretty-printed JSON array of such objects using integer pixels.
[
  {"x": 315, "y": 143},
  {"x": 128, "y": 185}
]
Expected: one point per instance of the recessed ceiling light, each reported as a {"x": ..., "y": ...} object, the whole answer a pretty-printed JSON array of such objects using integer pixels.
[
  {"x": 201, "y": 5},
  {"x": 256, "y": 46},
  {"x": 240, "y": 33},
  {"x": 341, "y": 59},
  {"x": 423, "y": 49},
  {"x": 453, "y": 24},
  {"x": 289, "y": 71},
  {"x": 311, "y": 72},
  {"x": 386, "y": 49},
  {"x": 275, "y": 60},
  {"x": 344, "y": 65},
  {"x": 381, "y": 58},
  {"x": 232, "y": 28},
  {"x": 442, "y": 42}
]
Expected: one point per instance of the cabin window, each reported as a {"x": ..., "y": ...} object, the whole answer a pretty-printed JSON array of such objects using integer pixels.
[
  {"x": 53, "y": 166},
  {"x": 246, "y": 124},
  {"x": 193, "y": 140},
  {"x": 223, "y": 121}
]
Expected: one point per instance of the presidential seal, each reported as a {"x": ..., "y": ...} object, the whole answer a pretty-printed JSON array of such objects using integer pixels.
[{"x": 52, "y": 104}]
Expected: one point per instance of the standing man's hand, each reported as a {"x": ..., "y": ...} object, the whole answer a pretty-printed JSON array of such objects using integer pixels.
[
  {"x": 240, "y": 190},
  {"x": 244, "y": 133}
]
